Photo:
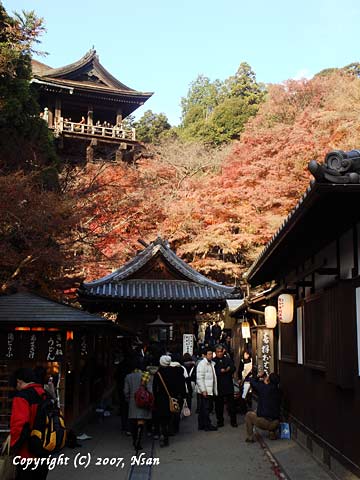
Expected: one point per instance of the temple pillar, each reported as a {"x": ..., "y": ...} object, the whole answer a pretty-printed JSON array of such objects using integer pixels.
[
  {"x": 51, "y": 117},
  {"x": 118, "y": 117},
  {"x": 119, "y": 154},
  {"x": 90, "y": 153},
  {"x": 57, "y": 109},
  {"x": 90, "y": 115}
]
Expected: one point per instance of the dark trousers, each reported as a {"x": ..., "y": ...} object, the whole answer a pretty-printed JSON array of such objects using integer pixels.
[
  {"x": 219, "y": 407},
  {"x": 134, "y": 425},
  {"x": 206, "y": 405},
  {"x": 161, "y": 426},
  {"x": 39, "y": 474}
]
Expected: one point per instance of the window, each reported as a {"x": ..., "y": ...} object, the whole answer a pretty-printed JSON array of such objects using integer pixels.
[{"x": 314, "y": 315}]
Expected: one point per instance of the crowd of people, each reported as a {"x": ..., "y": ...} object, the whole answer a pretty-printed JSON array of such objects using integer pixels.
[
  {"x": 154, "y": 398},
  {"x": 209, "y": 378}
]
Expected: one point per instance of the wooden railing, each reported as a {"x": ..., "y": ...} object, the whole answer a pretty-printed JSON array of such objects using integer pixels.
[{"x": 62, "y": 126}]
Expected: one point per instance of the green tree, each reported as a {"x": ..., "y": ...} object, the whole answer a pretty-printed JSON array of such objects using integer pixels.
[
  {"x": 203, "y": 95},
  {"x": 151, "y": 126},
  {"x": 243, "y": 84},
  {"x": 25, "y": 142}
]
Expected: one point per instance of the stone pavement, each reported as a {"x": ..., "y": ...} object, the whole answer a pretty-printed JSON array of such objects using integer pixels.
[{"x": 191, "y": 454}]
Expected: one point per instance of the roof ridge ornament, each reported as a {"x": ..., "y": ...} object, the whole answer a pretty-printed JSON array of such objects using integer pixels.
[{"x": 339, "y": 167}]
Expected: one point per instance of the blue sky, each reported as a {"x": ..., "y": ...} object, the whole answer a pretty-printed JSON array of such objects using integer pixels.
[{"x": 162, "y": 45}]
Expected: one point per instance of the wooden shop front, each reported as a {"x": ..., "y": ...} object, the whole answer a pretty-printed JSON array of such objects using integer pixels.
[{"x": 72, "y": 347}]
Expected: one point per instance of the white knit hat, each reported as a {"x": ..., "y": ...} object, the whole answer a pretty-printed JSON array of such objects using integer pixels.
[{"x": 165, "y": 361}]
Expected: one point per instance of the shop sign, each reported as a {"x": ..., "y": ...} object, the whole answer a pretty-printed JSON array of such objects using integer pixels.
[
  {"x": 265, "y": 341},
  {"x": 188, "y": 343},
  {"x": 83, "y": 346},
  {"x": 32, "y": 345}
]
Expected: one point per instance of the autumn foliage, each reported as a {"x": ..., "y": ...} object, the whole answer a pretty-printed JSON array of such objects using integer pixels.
[{"x": 219, "y": 207}]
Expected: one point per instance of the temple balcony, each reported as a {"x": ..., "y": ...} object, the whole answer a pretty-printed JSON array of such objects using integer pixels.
[{"x": 113, "y": 134}]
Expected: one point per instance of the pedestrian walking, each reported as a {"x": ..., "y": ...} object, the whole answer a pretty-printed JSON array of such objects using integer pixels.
[
  {"x": 224, "y": 368},
  {"x": 188, "y": 364},
  {"x": 245, "y": 366},
  {"x": 137, "y": 415},
  {"x": 216, "y": 333},
  {"x": 268, "y": 410},
  {"x": 24, "y": 408},
  {"x": 227, "y": 346},
  {"x": 207, "y": 337},
  {"x": 180, "y": 370},
  {"x": 169, "y": 379},
  {"x": 207, "y": 386}
]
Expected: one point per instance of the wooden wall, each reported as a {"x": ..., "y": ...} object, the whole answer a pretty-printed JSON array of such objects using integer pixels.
[{"x": 323, "y": 393}]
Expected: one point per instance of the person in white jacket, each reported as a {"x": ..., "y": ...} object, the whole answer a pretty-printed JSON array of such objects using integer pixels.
[{"x": 206, "y": 384}]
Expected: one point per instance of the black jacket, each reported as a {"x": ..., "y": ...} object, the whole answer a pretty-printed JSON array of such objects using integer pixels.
[
  {"x": 175, "y": 383},
  {"x": 225, "y": 383},
  {"x": 269, "y": 399}
]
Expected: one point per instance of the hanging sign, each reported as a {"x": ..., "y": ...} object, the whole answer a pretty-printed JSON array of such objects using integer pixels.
[
  {"x": 32, "y": 345},
  {"x": 83, "y": 346},
  {"x": 265, "y": 350},
  {"x": 188, "y": 343},
  {"x": 10, "y": 345},
  {"x": 55, "y": 348}
]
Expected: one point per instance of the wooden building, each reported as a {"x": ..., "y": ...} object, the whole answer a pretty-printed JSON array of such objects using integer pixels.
[
  {"x": 84, "y": 102},
  {"x": 73, "y": 346},
  {"x": 157, "y": 294},
  {"x": 315, "y": 256}
]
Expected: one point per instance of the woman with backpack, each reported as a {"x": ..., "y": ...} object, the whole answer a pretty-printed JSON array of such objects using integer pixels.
[
  {"x": 138, "y": 393},
  {"x": 23, "y": 416}
]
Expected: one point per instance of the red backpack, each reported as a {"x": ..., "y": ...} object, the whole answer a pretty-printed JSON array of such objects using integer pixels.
[{"x": 144, "y": 398}]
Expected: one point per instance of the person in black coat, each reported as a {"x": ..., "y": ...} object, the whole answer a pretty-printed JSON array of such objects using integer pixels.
[
  {"x": 207, "y": 338},
  {"x": 174, "y": 380},
  {"x": 216, "y": 333},
  {"x": 224, "y": 368}
]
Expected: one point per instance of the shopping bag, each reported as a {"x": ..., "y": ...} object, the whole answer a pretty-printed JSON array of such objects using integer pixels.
[
  {"x": 285, "y": 433},
  {"x": 7, "y": 468}
]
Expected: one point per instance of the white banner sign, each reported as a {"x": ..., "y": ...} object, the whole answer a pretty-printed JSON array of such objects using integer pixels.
[{"x": 188, "y": 343}]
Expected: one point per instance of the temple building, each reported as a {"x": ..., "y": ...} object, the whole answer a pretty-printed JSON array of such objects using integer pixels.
[
  {"x": 157, "y": 294},
  {"x": 83, "y": 101}
]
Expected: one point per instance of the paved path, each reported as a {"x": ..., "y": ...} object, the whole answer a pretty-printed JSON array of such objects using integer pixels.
[{"x": 192, "y": 454}]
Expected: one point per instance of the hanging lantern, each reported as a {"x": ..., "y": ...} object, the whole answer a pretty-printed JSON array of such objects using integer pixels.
[
  {"x": 270, "y": 317},
  {"x": 286, "y": 308},
  {"x": 245, "y": 330}
]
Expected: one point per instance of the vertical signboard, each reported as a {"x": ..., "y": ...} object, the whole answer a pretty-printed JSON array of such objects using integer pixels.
[
  {"x": 32, "y": 345},
  {"x": 265, "y": 349},
  {"x": 188, "y": 343}
]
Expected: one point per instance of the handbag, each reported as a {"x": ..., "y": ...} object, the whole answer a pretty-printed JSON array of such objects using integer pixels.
[
  {"x": 173, "y": 402},
  {"x": 185, "y": 412},
  {"x": 7, "y": 468}
]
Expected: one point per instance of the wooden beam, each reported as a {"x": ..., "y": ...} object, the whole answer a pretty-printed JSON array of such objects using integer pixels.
[
  {"x": 305, "y": 283},
  {"x": 327, "y": 271}
]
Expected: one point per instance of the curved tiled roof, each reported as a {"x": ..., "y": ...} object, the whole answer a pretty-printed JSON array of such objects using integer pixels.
[
  {"x": 191, "y": 284},
  {"x": 90, "y": 60},
  {"x": 158, "y": 290}
]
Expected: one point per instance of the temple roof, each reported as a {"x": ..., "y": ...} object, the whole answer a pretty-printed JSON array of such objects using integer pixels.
[
  {"x": 86, "y": 72},
  {"x": 157, "y": 273},
  {"x": 28, "y": 309}
]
